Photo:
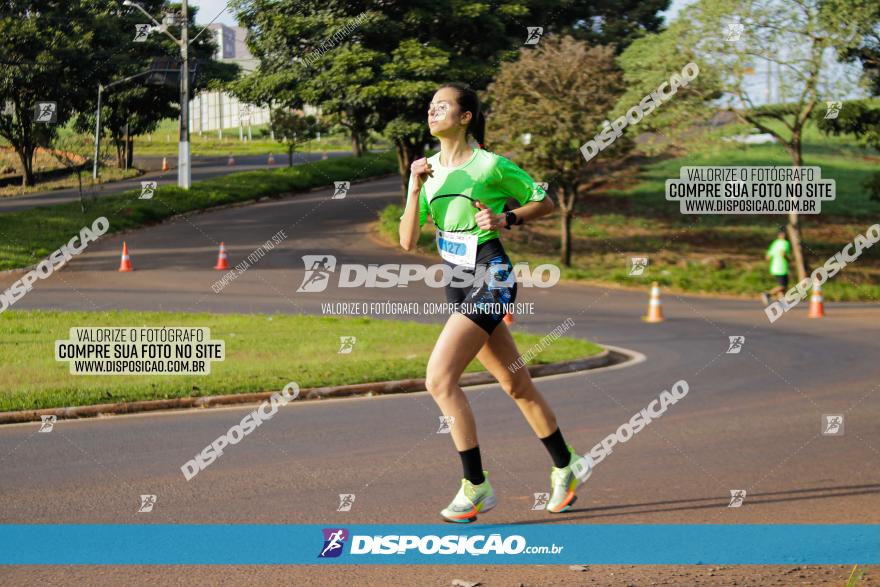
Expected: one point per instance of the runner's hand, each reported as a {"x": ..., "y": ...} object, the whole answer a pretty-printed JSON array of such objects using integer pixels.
[
  {"x": 421, "y": 169},
  {"x": 486, "y": 219}
]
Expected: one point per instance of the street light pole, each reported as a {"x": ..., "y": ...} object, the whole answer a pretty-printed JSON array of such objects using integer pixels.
[
  {"x": 184, "y": 175},
  {"x": 97, "y": 135},
  {"x": 184, "y": 171},
  {"x": 101, "y": 89}
]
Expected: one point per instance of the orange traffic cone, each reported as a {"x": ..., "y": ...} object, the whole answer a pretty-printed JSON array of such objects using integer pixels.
[
  {"x": 508, "y": 319},
  {"x": 655, "y": 313},
  {"x": 271, "y": 160},
  {"x": 231, "y": 161},
  {"x": 222, "y": 259},
  {"x": 125, "y": 263},
  {"x": 817, "y": 303},
  {"x": 164, "y": 164}
]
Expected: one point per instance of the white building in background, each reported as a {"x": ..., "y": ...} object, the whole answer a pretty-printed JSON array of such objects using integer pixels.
[{"x": 213, "y": 111}]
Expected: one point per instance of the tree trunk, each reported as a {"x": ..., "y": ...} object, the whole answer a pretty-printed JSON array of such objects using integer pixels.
[
  {"x": 565, "y": 237},
  {"x": 403, "y": 164},
  {"x": 120, "y": 151},
  {"x": 406, "y": 154},
  {"x": 26, "y": 156},
  {"x": 82, "y": 204},
  {"x": 290, "y": 156},
  {"x": 566, "y": 213},
  {"x": 356, "y": 143},
  {"x": 129, "y": 153},
  {"x": 794, "y": 231}
]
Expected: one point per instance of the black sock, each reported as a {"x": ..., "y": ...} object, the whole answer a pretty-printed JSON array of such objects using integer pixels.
[
  {"x": 472, "y": 465},
  {"x": 557, "y": 448}
]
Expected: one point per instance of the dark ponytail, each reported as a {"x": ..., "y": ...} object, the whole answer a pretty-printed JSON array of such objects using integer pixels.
[
  {"x": 478, "y": 129},
  {"x": 468, "y": 101}
]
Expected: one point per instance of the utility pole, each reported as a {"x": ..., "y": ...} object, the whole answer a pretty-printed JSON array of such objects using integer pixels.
[
  {"x": 184, "y": 171},
  {"x": 97, "y": 135},
  {"x": 184, "y": 167}
]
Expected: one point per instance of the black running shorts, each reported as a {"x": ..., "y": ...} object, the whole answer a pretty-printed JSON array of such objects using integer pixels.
[{"x": 483, "y": 301}]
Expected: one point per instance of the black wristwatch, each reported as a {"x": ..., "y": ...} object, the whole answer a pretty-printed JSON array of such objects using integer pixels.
[{"x": 510, "y": 219}]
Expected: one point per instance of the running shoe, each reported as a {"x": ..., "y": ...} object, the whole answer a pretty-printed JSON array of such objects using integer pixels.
[
  {"x": 564, "y": 483},
  {"x": 765, "y": 298},
  {"x": 469, "y": 501}
]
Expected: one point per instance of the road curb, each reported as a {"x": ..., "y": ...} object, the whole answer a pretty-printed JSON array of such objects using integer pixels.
[{"x": 603, "y": 359}]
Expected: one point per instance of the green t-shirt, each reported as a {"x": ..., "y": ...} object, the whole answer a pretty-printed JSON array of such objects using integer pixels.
[
  {"x": 487, "y": 178},
  {"x": 777, "y": 251}
]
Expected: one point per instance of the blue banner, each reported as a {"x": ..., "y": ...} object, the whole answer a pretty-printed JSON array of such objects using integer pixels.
[{"x": 166, "y": 544}]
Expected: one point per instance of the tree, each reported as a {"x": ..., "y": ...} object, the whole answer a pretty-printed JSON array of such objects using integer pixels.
[
  {"x": 608, "y": 22},
  {"x": 373, "y": 66},
  {"x": 860, "y": 117},
  {"x": 409, "y": 80},
  {"x": 555, "y": 95},
  {"x": 135, "y": 108},
  {"x": 292, "y": 127},
  {"x": 794, "y": 38},
  {"x": 866, "y": 52},
  {"x": 287, "y": 40},
  {"x": 342, "y": 86},
  {"x": 857, "y": 117},
  {"x": 127, "y": 107},
  {"x": 43, "y": 49},
  {"x": 58, "y": 51}
]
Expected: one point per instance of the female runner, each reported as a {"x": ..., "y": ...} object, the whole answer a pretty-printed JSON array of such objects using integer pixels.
[{"x": 464, "y": 190}]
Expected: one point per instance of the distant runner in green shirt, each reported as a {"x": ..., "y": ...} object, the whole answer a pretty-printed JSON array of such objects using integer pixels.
[
  {"x": 777, "y": 254},
  {"x": 465, "y": 189}
]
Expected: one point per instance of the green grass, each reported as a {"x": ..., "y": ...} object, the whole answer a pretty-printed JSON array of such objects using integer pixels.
[
  {"x": 678, "y": 245},
  {"x": 849, "y": 166},
  {"x": 163, "y": 142},
  {"x": 389, "y": 221},
  {"x": 855, "y": 576},
  {"x": 263, "y": 353},
  {"x": 108, "y": 175},
  {"x": 704, "y": 254},
  {"x": 211, "y": 145},
  {"x": 28, "y": 236}
]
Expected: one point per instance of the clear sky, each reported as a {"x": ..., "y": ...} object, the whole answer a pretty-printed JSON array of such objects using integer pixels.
[
  {"x": 208, "y": 9},
  {"x": 674, "y": 8}
]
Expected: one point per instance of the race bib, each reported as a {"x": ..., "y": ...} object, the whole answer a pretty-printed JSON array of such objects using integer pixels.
[{"x": 458, "y": 248}]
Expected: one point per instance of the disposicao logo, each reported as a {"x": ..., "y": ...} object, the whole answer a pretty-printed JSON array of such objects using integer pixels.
[
  {"x": 334, "y": 540},
  {"x": 449, "y": 544},
  {"x": 318, "y": 270}
]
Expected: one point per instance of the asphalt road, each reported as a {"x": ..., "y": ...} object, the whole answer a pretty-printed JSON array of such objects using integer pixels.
[
  {"x": 750, "y": 420},
  {"x": 202, "y": 168}
]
